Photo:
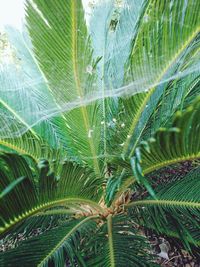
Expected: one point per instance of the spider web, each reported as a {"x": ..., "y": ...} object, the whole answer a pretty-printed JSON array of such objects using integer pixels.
[{"x": 25, "y": 92}]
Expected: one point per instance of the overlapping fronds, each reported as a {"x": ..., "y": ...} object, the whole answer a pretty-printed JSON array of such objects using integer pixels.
[
  {"x": 42, "y": 188},
  {"x": 176, "y": 211},
  {"x": 52, "y": 247},
  {"x": 59, "y": 36},
  {"x": 180, "y": 92},
  {"x": 160, "y": 53},
  {"x": 33, "y": 146},
  {"x": 179, "y": 143},
  {"x": 118, "y": 244},
  {"x": 155, "y": 42},
  {"x": 168, "y": 146},
  {"x": 26, "y": 96},
  {"x": 89, "y": 93}
]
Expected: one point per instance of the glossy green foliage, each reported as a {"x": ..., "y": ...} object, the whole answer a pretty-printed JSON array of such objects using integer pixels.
[{"x": 90, "y": 107}]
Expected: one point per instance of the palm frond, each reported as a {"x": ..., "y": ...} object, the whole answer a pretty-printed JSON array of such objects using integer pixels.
[
  {"x": 179, "y": 143},
  {"x": 126, "y": 20},
  {"x": 11, "y": 186},
  {"x": 28, "y": 144},
  {"x": 101, "y": 39},
  {"x": 25, "y": 90},
  {"x": 42, "y": 189},
  {"x": 60, "y": 38},
  {"x": 176, "y": 211},
  {"x": 118, "y": 244},
  {"x": 167, "y": 147},
  {"x": 111, "y": 38},
  {"x": 52, "y": 247},
  {"x": 179, "y": 92},
  {"x": 158, "y": 49}
]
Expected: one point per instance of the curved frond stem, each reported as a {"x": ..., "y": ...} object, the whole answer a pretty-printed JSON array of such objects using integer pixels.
[
  {"x": 17, "y": 149},
  {"x": 39, "y": 208},
  {"x": 160, "y": 152},
  {"x": 73, "y": 230},
  {"x": 161, "y": 75},
  {"x": 170, "y": 162},
  {"x": 78, "y": 83},
  {"x": 132, "y": 180},
  {"x": 175, "y": 212},
  {"x": 110, "y": 241},
  {"x": 165, "y": 203}
]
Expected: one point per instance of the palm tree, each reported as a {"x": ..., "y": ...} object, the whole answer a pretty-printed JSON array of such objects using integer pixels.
[{"x": 87, "y": 120}]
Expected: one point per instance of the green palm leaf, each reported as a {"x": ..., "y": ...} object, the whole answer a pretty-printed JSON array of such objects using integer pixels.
[
  {"x": 113, "y": 45},
  {"x": 158, "y": 49},
  {"x": 11, "y": 186},
  {"x": 51, "y": 247},
  {"x": 59, "y": 36},
  {"x": 177, "y": 144},
  {"x": 180, "y": 91},
  {"x": 77, "y": 99},
  {"x": 42, "y": 189},
  {"x": 174, "y": 210},
  {"x": 127, "y": 19},
  {"x": 28, "y": 91},
  {"x": 119, "y": 244},
  {"x": 167, "y": 147},
  {"x": 25, "y": 95}
]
